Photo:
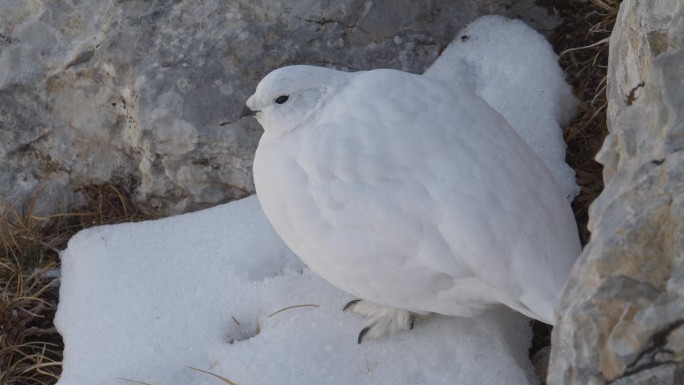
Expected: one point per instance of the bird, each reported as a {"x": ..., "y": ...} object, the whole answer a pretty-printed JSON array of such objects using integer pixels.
[{"x": 413, "y": 195}]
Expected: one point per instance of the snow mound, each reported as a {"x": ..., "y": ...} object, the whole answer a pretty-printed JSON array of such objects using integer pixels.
[
  {"x": 514, "y": 68},
  {"x": 146, "y": 301}
]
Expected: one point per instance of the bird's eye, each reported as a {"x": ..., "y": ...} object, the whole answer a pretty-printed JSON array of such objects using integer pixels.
[{"x": 282, "y": 99}]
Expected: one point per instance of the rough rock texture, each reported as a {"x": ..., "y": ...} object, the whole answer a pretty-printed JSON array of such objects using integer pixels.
[
  {"x": 623, "y": 308},
  {"x": 133, "y": 92}
]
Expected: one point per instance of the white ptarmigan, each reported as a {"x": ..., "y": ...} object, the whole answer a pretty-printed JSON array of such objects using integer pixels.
[{"x": 413, "y": 195}]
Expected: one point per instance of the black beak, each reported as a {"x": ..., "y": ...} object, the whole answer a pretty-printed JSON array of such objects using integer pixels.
[{"x": 246, "y": 111}]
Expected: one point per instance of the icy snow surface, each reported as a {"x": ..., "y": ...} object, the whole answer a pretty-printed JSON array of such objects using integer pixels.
[{"x": 147, "y": 301}]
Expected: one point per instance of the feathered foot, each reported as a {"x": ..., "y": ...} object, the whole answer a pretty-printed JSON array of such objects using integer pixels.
[{"x": 381, "y": 320}]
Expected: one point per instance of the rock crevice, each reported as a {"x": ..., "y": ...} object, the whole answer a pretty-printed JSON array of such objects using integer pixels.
[{"x": 622, "y": 309}]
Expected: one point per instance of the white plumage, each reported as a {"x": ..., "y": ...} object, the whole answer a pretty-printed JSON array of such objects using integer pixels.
[{"x": 409, "y": 193}]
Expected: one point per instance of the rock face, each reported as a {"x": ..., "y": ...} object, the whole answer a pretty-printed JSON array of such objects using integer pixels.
[
  {"x": 623, "y": 308},
  {"x": 146, "y": 94}
]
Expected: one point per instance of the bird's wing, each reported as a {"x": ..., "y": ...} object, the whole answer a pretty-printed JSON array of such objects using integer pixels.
[{"x": 439, "y": 172}]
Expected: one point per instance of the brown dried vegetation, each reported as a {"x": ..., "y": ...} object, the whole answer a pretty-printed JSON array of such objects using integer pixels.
[
  {"x": 30, "y": 347},
  {"x": 582, "y": 43}
]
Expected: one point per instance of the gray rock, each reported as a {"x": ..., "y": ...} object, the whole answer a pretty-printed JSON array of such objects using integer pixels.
[
  {"x": 641, "y": 37},
  {"x": 622, "y": 311},
  {"x": 146, "y": 94}
]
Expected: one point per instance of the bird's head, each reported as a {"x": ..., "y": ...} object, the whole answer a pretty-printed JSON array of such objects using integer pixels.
[{"x": 287, "y": 97}]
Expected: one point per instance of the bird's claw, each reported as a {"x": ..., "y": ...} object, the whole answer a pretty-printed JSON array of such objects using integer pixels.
[
  {"x": 382, "y": 320},
  {"x": 363, "y": 333},
  {"x": 350, "y": 304}
]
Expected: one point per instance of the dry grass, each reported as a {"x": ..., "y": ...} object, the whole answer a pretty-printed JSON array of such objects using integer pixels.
[
  {"x": 30, "y": 347},
  {"x": 582, "y": 43},
  {"x": 213, "y": 375},
  {"x": 223, "y": 379}
]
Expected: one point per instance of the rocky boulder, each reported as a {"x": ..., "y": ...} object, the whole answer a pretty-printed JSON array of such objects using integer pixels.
[
  {"x": 145, "y": 95},
  {"x": 623, "y": 308}
]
